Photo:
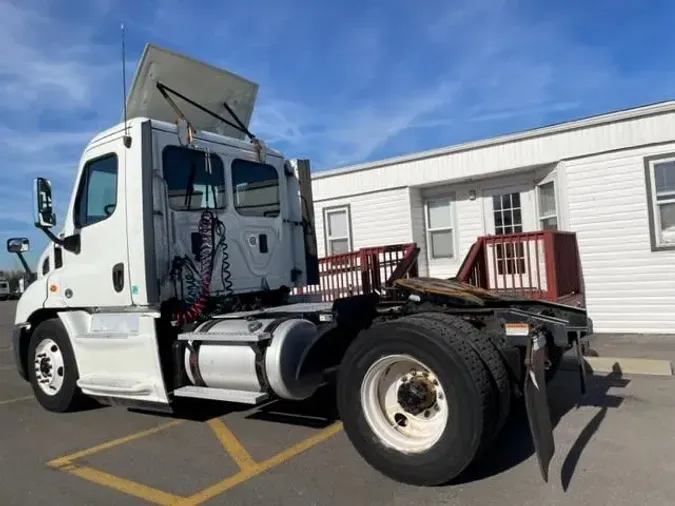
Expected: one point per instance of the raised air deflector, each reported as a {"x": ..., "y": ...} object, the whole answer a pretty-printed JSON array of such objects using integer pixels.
[{"x": 205, "y": 84}]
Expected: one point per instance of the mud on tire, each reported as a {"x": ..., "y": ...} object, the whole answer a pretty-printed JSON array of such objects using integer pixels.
[{"x": 463, "y": 377}]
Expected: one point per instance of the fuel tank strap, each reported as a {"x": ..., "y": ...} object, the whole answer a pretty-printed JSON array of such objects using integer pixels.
[
  {"x": 259, "y": 350},
  {"x": 193, "y": 362}
]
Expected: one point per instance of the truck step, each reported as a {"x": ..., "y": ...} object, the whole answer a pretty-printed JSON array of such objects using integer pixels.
[
  {"x": 221, "y": 394},
  {"x": 223, "y": 337}
]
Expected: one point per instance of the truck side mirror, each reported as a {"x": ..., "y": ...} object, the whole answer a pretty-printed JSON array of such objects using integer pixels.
[
  {"x": 42, "y": 196},
  {"x": 18, "y": 244}
]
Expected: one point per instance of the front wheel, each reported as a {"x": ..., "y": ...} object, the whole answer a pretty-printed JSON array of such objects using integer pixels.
[
  {"x": 52, "y": 369},
  {"x": 415, "y": 400}
]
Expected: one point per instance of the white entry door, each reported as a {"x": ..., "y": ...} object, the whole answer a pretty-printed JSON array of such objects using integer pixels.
[{"x": 513, "y": 262}]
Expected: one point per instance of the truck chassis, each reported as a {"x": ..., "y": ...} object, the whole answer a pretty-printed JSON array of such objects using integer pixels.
[{"x": 426, "y": 373}]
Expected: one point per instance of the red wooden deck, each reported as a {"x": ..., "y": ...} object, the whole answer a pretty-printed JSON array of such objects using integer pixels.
[{"x": 538, "y": 265}]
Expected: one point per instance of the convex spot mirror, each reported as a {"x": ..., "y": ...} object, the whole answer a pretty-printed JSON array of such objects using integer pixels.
[
  {"x": 18, "y": 244},
  {"x": 42, "y": 197}
]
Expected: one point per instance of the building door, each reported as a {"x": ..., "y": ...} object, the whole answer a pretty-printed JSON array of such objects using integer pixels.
[{"x": 509, "y": 212}]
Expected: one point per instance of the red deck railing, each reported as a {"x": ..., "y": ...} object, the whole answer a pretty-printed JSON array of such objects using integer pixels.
[
  {"x": 540, "y": 265},
  {"x": 363, "y": 271}
]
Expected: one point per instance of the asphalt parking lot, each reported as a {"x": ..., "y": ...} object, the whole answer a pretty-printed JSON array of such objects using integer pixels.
[{"x": 614, "y": 446}]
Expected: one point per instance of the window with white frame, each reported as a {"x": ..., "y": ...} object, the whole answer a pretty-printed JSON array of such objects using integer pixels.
[
  {"x": 337, "y": 229},
  {"x": 548, "y": 212},
  {"x": 440, "y": 228},
  {"x": 661, "y": 185}
]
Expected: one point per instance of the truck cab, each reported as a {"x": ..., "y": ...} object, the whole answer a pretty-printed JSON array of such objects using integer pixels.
[{"x": 174, "y": 215}]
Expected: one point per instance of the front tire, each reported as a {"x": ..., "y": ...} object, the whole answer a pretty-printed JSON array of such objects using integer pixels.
[
  {"x": 424, "y": 428},
  {"x": 52, "y": 369}
]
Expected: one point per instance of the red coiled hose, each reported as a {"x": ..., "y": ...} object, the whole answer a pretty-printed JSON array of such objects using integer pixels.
[{"x": 190, "y": 314}]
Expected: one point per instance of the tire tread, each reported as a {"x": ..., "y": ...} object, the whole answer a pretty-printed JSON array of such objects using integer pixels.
[
  {"x": 459, "y": 334},
  {"x": 483, "y": 343}
]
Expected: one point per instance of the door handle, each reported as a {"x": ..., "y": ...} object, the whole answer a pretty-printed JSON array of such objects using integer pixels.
[
  {"x": 262, "y": 241},
  {"x": 118, "y": 277}
]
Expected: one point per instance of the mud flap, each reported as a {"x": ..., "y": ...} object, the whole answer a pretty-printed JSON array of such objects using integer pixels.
[
  {"x": 536, "y": 403},
  {"x": 581, "y": 363}
]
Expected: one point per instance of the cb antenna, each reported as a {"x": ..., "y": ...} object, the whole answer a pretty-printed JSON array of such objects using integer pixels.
[{"x": 127, "y": 139}]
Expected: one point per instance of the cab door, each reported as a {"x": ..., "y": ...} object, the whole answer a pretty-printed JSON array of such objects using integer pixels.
[
  {"x": 258, "y": 206},
  {"x": 97, "y": 275}
]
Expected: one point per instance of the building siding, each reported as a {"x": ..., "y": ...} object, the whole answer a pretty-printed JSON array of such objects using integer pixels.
[
  {"x": 418, "y": 229},
  {"x": 468, "y": 226},
  {"x": 377, "y": 218},
  {"x": 629, "y": 287},
  {"x": 601, "y": 196},
  {"x": 491, "y": 160},
  {"x": 469, "y": 215}
]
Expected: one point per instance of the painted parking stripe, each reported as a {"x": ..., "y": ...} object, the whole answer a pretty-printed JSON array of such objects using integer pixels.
[
  {"x": 249, "y": 467},
  {"x": 129, "y": 487},
  {"x": 16, "y": 399},
  {"x": 244, "y": 475},
  {"x": 68, "y": 459},
  {"x": 232, "y": 445}
]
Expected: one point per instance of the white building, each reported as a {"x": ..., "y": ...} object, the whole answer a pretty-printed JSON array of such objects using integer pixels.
[{"x": 608, "y": 178}]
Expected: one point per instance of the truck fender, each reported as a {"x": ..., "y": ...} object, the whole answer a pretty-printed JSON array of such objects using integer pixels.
[
  {"x": 73, "y": 321},
  {"x": 325, "y": 351},
  {"x": 350, "y": 316}
]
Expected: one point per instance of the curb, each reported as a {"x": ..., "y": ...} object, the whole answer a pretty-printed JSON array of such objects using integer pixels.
[{"x": 624, "y": 365}]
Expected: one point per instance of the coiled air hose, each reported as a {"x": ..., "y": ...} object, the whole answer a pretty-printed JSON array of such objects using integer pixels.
[{"x": 192, "y": 312}]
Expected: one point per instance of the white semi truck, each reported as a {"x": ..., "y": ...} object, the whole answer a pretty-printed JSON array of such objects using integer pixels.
[{"x": 171, "y": 278}]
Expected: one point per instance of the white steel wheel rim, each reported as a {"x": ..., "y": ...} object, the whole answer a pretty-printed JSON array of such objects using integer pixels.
[
  {"x": 49, "y": 367},
  {"x": 397, "y": 427}
]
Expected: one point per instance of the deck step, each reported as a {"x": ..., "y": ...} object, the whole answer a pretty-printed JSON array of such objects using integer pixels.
[{"x": 221, "y": 394}]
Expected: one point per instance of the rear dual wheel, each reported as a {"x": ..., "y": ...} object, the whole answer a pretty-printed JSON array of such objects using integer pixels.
[{"x": 416, "y": 399}]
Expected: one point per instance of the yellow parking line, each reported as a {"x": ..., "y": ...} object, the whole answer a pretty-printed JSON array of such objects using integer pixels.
[
  {"x": 67, "y": 459},
  {"x": 17, "y": 399},
  {"x": 232, "y": 445},
  {"x": 123, "y": 485},
  {"x": 245, "y": 474}
]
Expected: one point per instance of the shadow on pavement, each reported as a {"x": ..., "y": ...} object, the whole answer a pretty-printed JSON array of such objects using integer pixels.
[
  {"x": 514, "y": 444},
  {"x": 512, "y": 447},
  {"x": 317, "y": 412}
]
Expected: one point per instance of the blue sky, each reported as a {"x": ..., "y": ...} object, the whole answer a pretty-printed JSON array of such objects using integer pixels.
[{"x": 340, "y": 82}]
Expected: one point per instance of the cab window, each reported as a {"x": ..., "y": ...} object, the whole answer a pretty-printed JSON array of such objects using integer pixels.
[
  {"x": 97, "y": 197},
  {"x": 256, "y": 189},
  {"x": 192, "y": 184}
]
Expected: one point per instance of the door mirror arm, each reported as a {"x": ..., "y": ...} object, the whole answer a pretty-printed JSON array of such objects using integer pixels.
[{"x": 70, "y": 243}]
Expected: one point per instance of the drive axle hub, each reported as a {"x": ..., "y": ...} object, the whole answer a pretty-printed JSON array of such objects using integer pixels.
[{"x": 416, "y": 395}]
